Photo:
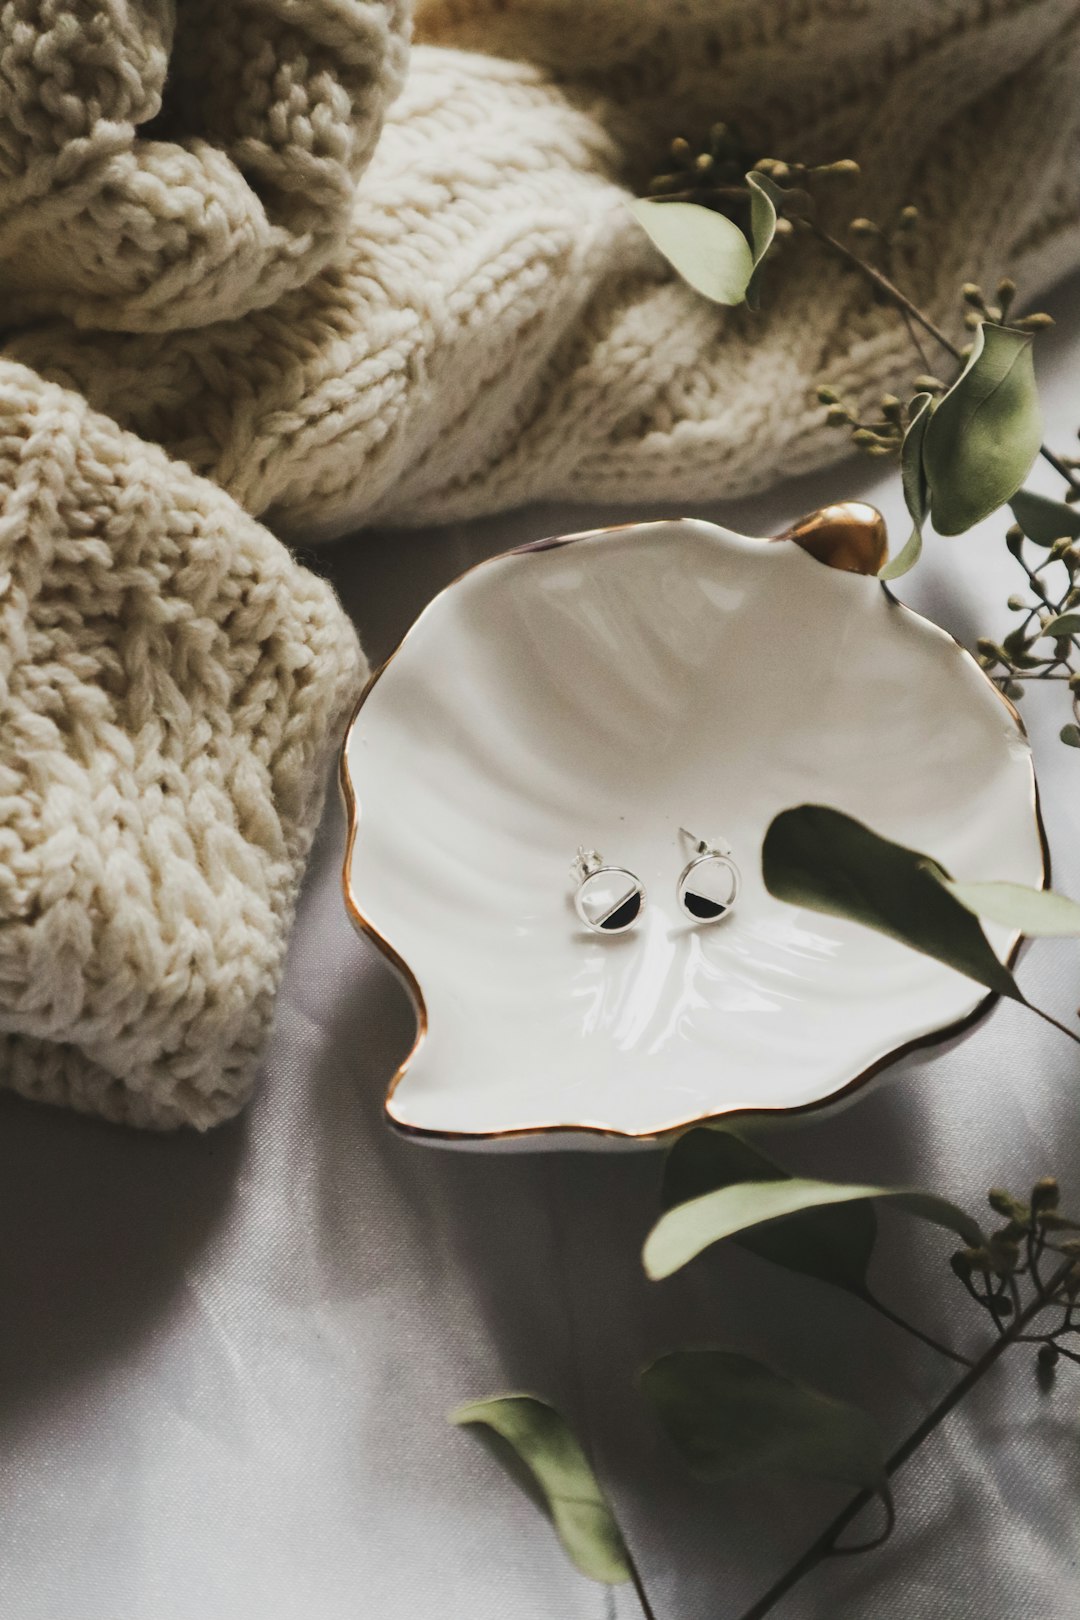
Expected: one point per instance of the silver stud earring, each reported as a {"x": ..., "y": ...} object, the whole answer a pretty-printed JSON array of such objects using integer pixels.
[
  {"x": 609, "y": 899},
  {"x": 708, "y": 885}
]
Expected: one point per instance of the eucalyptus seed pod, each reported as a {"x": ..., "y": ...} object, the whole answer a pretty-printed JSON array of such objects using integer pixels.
[{"x": 1046, "y": 1194}]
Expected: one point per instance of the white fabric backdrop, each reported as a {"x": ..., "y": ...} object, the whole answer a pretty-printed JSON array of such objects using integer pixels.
[{"x": 226, "y": 1360}]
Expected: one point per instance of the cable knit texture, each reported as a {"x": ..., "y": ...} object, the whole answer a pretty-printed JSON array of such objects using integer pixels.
[
  {"x": 497, "y": 327},
  {"x": 172, "y": 686},
  {"x": 167, "y": 165}
]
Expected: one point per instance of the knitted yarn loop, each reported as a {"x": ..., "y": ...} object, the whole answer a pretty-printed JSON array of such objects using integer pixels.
[{"x": 164, "y": 166}]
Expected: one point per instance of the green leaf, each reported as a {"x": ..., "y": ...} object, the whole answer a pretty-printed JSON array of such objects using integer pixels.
[
  {"x": 1044, "y": 520},
  {"x": 916, "y": 489},
  {"x": 683, "y": 1232},
  {"x": 1070, "y": 735},
  {"x": 1036, "y": 912},
  {"x": 1066, "y": 624},
  {"x": 832, "y": 1242},
  {"x": 905, "y": 560},
  {"x": 766, "y": 201},
  {"x": 707, "y": 249},
  {"x": 912, "y": 471},
  {"x": 558, "y": 1477},
  {"x": 820, "y": 858},
  {"x": 729, "y": 1415},
  {"x": 984, "y": 433}
]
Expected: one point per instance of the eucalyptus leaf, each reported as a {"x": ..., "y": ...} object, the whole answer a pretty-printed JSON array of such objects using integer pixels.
[
  {"x": 905, "y": 560},
  {"x": 1036, "y": 912},
  {"x": 1066, "y": 624},
  {"x": 831, "y": 1242},
  {"x": 916, "y": 489},
  {"x": 818, "y": 857},
  {"x": 707, "y": 249},
  {"x": 766, "y": 202},
  {"x": 984, "y": 433},
  {"x": 683, "y": 1232},
  {"x": 536, "y": 1438},
  {"x": 912, "y": 471},
  {"x": 1044, "y": 520},
  {"x": 729, "y": 1415}
]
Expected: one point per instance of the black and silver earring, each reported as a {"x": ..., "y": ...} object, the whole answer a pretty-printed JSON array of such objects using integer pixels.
[
  {"x": 609, "y": 899},
  {"x": 708, "y": 885}
]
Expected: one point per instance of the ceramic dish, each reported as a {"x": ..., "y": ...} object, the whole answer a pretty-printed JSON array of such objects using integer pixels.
[{"x": 601, "y": 690}]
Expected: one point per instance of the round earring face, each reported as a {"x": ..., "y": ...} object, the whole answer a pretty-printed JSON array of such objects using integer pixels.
[
  {"x": 610, "y": 901},
  {"x": 708, "y": 887}
]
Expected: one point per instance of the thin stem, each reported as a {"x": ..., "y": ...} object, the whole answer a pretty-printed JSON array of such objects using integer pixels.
[
  {"x": 1049, "y": 1018},
  {"x": 990, "y": 1300},
  {"x": 889, "y": 288},
  {"x": 647, "y": 1610},
  {"x": 1060, "y": 467},
  {"x": 1036, "y": 675},
  {"x": 825, "y": 1542},
  {"x": 924, "y": 359},
  {"x": 916, "y": 1332},
  {"x": 1035, "y": 1246},
  {"x": 1014, "y": 1291}
]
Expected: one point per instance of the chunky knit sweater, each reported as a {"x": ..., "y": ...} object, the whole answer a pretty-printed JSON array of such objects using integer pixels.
[
  {"x": 497, "y": 328},
  {"x": 171, "y": 686},
  {"x": 208, "y": 245}
]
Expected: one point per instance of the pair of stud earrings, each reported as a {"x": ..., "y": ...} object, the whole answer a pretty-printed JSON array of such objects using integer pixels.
[{"x": 610, "y": 899}]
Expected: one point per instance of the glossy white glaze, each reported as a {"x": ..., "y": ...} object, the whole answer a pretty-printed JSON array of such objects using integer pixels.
[{"x": 603, "y": 692}]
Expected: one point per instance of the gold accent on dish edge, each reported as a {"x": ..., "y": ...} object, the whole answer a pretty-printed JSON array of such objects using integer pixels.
[
  {"x": 845, "y": 536},
  {"x": 850, "y": 536}
]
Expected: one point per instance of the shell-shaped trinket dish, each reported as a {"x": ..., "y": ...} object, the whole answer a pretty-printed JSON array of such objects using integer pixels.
[{"x": 604, "y": 690}]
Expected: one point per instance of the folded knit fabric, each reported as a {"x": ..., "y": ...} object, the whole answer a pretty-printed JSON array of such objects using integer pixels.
[
  {"x": 165, "y": 166},
  {"x": 497, "y": 328},
  {"x": 172, "y": 686}
]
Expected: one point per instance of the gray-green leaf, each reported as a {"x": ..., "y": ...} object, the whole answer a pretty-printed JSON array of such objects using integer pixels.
[
  {"x": 558, "y": 1477},
  {"x": 766, "y": 200},
  {"x": 1070, "y": 734},
  {"x": 1044, "y": 520},
  {"x": 1036, "y": 912},
  {"x": 912, "y": 471},
  {"x": 683, "y": 1232},
  {"x": 818, "y": 857},
  {"x": 984, "y": 433},
  {"x": 832, "y": 1242},
  {"x": 905, "y": 560},
  {"x": 916, "y": 489},
  {"x": 729, "y": 1415},
  {"x": 707, "y": 249},
  {"x": 1066, "y": 624}
]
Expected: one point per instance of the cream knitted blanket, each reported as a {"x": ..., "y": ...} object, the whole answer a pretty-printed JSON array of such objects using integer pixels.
[
  {"x": 194, "y": 242},
  {"x": 497, "y": 328}
]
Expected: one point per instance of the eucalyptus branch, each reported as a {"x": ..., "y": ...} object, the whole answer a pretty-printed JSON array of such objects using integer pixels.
[
  {"x": 912, "y": 312},
  {"x": 824, "y": 1545},
  {"x": 888, "y": 288}
]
